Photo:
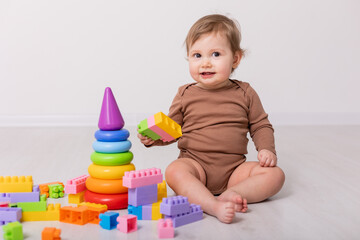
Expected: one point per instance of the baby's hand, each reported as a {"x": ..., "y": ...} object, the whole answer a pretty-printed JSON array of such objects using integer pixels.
[
  {"x": 267, "y": 158},
  {"x": 145, "y": 140}
]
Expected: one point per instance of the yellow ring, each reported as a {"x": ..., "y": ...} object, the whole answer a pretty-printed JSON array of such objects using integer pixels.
[
  {"x": 109, "y": 172},
  {"x": 105, "y": 186}
]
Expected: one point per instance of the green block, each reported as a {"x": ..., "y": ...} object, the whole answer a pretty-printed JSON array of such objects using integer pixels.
[
  {"x": 13, "y": 231},
  {"x": 56, "y": 191},
  {"x": 33, "y": 206},
  {"x": 145, "y": 131}
]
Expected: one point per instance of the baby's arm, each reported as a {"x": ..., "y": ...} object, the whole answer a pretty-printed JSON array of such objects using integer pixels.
[{"x": 267, "y": 158}]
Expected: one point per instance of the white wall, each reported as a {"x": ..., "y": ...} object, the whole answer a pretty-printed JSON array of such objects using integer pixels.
[{"x": 57, "y": 57}]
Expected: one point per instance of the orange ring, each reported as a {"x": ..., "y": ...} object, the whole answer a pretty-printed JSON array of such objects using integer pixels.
[{"x": 105, "y": 186}]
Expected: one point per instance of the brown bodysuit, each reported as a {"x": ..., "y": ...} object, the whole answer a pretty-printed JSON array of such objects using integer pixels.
[{"x": 215, "y": 124}]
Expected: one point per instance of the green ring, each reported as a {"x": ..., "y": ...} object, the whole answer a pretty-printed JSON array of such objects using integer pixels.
[{"x": 111, "y": 159}]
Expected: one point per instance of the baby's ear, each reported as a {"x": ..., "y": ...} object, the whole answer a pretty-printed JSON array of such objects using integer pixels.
[{"x": 237, "y": 59}]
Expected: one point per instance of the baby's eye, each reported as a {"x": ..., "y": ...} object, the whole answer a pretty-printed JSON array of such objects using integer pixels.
[
  {"x": 197, "y": 55},
  {"x": 216, "y": 54}
]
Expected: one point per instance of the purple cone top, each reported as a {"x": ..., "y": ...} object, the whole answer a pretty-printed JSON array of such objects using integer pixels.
[{"x": 110, "y": 116}]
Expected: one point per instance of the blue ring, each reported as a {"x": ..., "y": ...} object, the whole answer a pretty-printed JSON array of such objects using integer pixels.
[
  {"x": 112, "y": 136},
  {"x": 111, "y": 147}
]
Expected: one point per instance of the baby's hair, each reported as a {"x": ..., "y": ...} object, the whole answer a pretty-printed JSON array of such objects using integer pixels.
[{"x": 216, "y": 23}]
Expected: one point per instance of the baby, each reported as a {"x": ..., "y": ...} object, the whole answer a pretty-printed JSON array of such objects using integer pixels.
[{"x": 216, "y": 113}]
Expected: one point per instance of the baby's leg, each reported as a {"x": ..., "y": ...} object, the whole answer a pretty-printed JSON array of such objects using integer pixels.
[
  {"x": 255, "y": 183},
  {"x": 187, "y": 178}
]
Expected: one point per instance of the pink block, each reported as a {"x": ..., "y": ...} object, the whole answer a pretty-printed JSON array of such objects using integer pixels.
[
  {"x": 164, "y": 135},
  {"x": 76, "y": 185},
  {"x": 140, "y": 178},
  {"x": 165, "y": 228},
  {"x": 127, "y": 223}
]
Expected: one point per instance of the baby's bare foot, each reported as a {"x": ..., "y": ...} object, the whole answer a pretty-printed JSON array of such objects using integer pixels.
[
  {"x": 232, "y": 196},
  {"x": 225, "y": 211}
]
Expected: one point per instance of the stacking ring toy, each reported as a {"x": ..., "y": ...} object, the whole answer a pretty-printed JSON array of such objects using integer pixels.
[
  {"x": 112, "y": 136},
  {"x": 109, "y": 172},
  {"x": 111, "y": 147},
  {"x": 111, "y": 159},
  {"x": 113, "y": 201},
  {"x": 105, "y": 186}
]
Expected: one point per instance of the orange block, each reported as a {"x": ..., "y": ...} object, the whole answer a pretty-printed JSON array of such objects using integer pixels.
[
  {"x": 51, "y": 233},
  {"x": 44, "y": 188},
  {"x": 105, "y": 186},
  {"x": 74, "y": 215},
  {"x": 94, "y": 211}
]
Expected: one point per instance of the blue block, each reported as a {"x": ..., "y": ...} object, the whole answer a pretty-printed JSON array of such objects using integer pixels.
[
  {"x": 142, "y": 195},
  {"x": 108, "y": 220},
  {"x": 137, "y": 211}
]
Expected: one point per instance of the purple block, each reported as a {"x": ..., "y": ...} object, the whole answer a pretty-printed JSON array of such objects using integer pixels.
[
  {"x": 194, "y": 215},
  {"x": 147, "y": 212},
  {"x": 15, "y": 197},
  {"x": 172, "y": 206},
  {"x": 142, "y": 195},
  {"x": 10, "y": 215}
]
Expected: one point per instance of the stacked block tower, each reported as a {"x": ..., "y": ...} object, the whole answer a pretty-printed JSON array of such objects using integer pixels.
[
  {"x": 111, "y": 158},
  {"x": 146, "y": 189}
]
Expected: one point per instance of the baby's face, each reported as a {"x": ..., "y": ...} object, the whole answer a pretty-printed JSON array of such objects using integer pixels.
[{"x": 211, "y": 61}]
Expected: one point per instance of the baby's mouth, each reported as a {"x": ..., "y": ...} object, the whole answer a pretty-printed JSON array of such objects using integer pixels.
[{"x": 207, "y": 73}]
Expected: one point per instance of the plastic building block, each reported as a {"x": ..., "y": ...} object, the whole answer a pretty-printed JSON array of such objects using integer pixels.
[
  {"x": 76, "y": 185},
  {"x": 155, "y": 211},
  {"x": 10, "y": 215},
  {"x": 74, "y": 215},
  {"x": 110, "y": 116},
  {"x": 144, "y": 130},
  {"x": 137, "y": 211},
  {"x": 109, "y": 172},
  {"x": 147, "y": 212},
  {"x": 165, "y": 228},
  {"x": 52, "y": 213},
  {"x": 111, "y": 147},
  {"x": 33, "y": 196},
  {"x": 112, "y": 159},
  {"x": 105, "y": 186},
  {"x": 162, "y": 191},
  {"x": 44, "y": 188},
  {"x": 33, "y": 206},
  {"x": 127, "y": 223},
  {"x": 112, "y": 136},
  {"x": 94, "y": 211},
  {"x": 76, "y": 198},
  {"x": 108, "y": 220},
  {"x": 168, "y": 125},
  {"x": 113, "y": 201},
  {"x": 172, "y": 206},
  {"x": 51, "y": 233},
  {"x": 194, "y": 215},
  {"x": 16, "y": 184},
  {"x": 143, "y": 195},
  {"x": 140, "y": 178},
  {"x": 4, "y": 204},
  {"x": 165, "y": 137},
  {"x": 56, "y": 191},
  {"x": 13, "y": 231}
]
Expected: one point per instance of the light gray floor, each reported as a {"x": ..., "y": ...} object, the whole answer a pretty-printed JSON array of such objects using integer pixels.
[{"x": 320, "y": 199}]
